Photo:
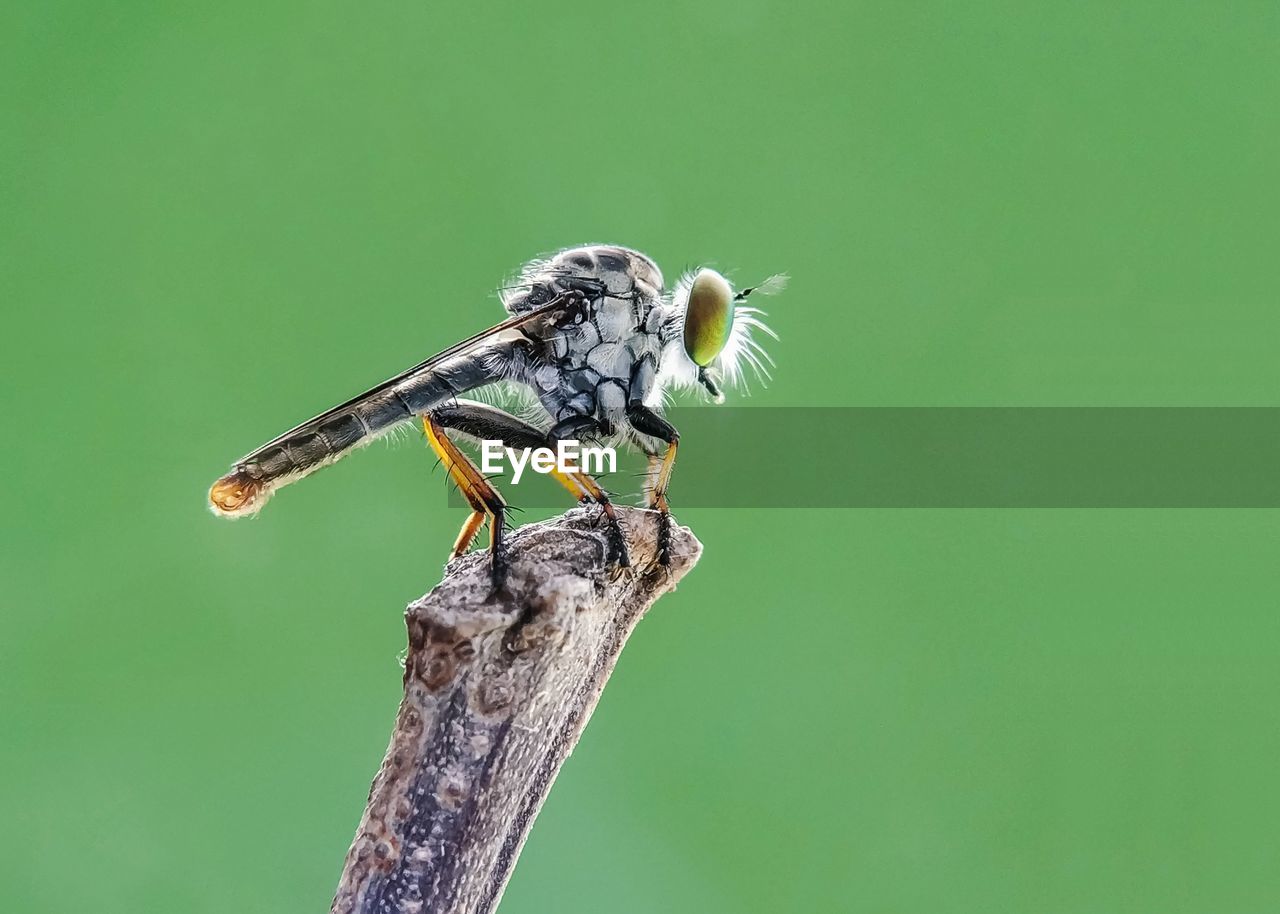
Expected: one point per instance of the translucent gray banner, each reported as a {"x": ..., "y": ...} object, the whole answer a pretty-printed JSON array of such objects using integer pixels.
[{"x": 999, "y": 457}]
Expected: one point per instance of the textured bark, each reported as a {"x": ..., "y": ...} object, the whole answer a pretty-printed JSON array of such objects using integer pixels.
[{"x": 497, "y": 690}]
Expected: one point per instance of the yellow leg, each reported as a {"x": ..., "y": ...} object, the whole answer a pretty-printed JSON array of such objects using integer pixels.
[
  {"x": 486, "y": 421},
  {"x": 657, "y": 481},
  {"x": 664, "y": 477},
  {"x": 581, "y": 485},
  {"x": 468, "y": 533},
  {"x": 484, "y": 499},
  {"x": 570, "y": 482}
]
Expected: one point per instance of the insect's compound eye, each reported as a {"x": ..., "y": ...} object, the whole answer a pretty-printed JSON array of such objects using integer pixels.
[{"x": 708, "y": 318}]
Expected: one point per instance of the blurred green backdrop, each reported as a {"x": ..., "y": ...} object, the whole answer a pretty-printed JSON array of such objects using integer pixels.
[{"x": 216, "y": 219}]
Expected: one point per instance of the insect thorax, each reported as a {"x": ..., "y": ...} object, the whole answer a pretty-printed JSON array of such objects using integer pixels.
[{"x": 607, "y": 354}]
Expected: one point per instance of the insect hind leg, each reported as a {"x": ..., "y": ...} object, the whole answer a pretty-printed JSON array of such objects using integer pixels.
[
  {"x": 484, "y": 499},
  {"x": 481, "y": 420}
]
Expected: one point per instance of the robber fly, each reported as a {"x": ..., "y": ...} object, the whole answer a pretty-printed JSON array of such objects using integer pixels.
[{"x": 593, "y": 337}]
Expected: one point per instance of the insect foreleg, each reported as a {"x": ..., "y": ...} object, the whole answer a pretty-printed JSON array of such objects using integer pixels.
[{"x": 647, "y": 422}]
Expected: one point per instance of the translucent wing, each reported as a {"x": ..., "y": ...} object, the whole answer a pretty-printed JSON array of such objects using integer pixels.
[
  {"x": 558, "y": 305},
  {"x": 334, "y": 433}
]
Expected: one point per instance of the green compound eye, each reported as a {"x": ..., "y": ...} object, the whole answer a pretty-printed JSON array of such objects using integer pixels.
[{"x": 708, "y": 319}]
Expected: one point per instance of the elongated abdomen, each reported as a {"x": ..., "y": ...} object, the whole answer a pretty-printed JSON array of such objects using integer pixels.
[{"x": 334, "y": 434}]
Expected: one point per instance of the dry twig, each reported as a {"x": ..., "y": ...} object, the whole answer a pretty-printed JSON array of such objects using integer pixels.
[{"x": 497, "y": 690}]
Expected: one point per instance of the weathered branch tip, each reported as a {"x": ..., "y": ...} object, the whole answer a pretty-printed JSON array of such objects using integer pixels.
[{"x": 497, "y": 690}]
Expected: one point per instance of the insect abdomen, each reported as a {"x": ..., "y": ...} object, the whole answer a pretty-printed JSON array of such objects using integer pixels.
[{"x": 333, "y": 435}]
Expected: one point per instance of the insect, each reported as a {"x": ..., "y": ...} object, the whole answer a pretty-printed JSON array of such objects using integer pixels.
[{"x": 594, "y": 340}]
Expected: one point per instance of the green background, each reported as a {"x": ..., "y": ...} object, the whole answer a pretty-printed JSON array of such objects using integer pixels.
[{"x": 216, "y": 219}]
